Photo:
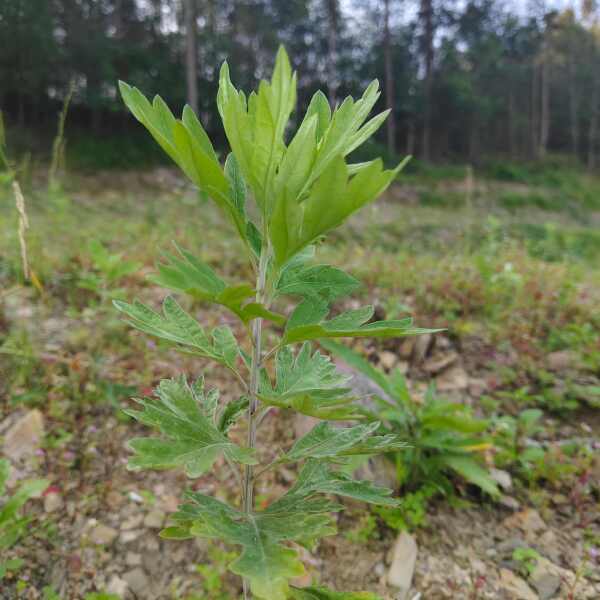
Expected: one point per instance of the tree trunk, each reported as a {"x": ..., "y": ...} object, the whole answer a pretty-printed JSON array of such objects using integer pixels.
[
  {"x": 512, "y": 131},
  {"x": 332, "y": 39},
  {"x": 593, "y": 132},
  {"x": 389, "y": 80},
  {"x": 545, "y": 106},
  {"x": 534, "y": 110},
  {"x": 573, "y": 109},
  {"x": 427, "y": 23},
  {"x": 191, "y": 54}
]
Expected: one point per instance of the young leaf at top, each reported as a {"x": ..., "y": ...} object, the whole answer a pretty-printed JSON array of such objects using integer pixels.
[
  {"x": 334, "y": 197},
  {"x": 255, "y": 127},
  {"x": 188, "y": 145},
  {"x": 191, "y": 440}
]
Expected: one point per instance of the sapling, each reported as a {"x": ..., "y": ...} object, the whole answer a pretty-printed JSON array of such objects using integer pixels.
[{"x": 281, "y": 198}]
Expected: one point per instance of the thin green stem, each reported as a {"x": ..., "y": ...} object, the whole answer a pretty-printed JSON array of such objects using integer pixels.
[{"x": 248, "y": 488}]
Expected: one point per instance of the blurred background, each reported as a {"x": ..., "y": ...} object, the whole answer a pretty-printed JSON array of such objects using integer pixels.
[
  {"x": 491, "y": 232},
  {"x": 467, "y": 80}
]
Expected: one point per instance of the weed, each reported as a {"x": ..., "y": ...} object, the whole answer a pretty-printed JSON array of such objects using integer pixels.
[
  {"x": 442, "y": 437},
  {"x": 13, "y": 525},
  {"x": 527, "y": 559},
  {"x": 290, "y": 186}
]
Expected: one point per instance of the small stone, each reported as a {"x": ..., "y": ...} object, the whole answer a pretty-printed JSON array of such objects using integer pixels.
[
  {"x": 132, "y": 522},
  {"x": 477, "y": 387},
  {"x": 509, "y": 502},
  {"x": 24, "y": 437},
  {"x": 404, "y": 557},
  {"x": 437, "y": 364},
  {"x": 452, "y": 380},
  {"x": 155, "y": 519},
  {"x": 117, "y": 586},
  {"x": 421, "y": 347},
  {"x": 546, "y": 578},
  {"x": 502, "y": 478},
  {"x": 102, "y": 535},
  {"x": 114, "y": 500},
  {"x": 508, "y": 546},
  {"x": 52, "y": 502},
  {"x": 388, "y": 360},
  {"x": 137, "y": 581},
  {"x": 516, "y": 586},
  {"x": 130, "y": 536},
  {"x": 133, "y": 560},
  {"x": 561, "y": 360},
  {"x": 527, "y": 520},
  {"x": 407, "y": 347}
]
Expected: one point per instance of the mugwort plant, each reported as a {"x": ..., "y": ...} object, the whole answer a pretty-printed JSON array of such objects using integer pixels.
[{"x": 282, "y": 195}]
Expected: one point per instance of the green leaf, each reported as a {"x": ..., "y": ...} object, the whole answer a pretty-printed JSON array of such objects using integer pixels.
[
  {"x": 4, "y": 474},
  {"x": 297, "y": 516},
  {"x": 351, "y": 324},
  {"x": 178, "y": 327},
  {"x": 13, "y": 564},
  {"x": 316, "y": 477},
  {"x": 188, "y": 145},
  {"x": 266, "y": 563},
  {"x": 192, "y": 441},
  {"x": 255, "y": 128},
  {"x": 472, "y": 471},
  {"x": 319, "y": 106},
  {"x": 231, "y": 412},
  {"x": 308, "y": 383},
  {"x": 323, "y": 281},
  {"x": 331, "y": 200},
  {"x": 236, "y": 182},
  {"x": 190, "y": 275},
  {"x": 310, "y": 311},
  {"x": 325, "y": 441},
  {"x": 28, "y": 489},
  {"x": 321, "y": 593}
]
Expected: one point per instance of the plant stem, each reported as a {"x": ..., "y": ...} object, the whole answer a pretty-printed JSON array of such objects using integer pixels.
[{"x": 248, "y": 491}]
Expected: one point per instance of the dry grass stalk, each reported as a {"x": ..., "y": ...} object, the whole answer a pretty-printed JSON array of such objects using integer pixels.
[{"x": 23, "y": 225}]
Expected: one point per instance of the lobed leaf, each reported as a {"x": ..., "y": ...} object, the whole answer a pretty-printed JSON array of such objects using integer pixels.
[
  {"x": 350, "y": 324},
  {"x": 191, "y": 438},
  {"x": 308, "y": 383},
  {"x": 321, "y": 593},
  {"x": 190, "y": 275},
  {"x": 177, "y": 326},
  {"x": 325, "y": 441}
]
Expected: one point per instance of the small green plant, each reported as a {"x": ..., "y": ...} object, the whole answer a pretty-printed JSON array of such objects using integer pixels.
[
  {"x": 13, "y": 525},
  {"x": 365, "y": 529},
  {"x": 412, "y": 513},
  {"x": 443, "y": 437},
  {"x": 281, "y": 199},
  {"x": 527, "y": 558},
  {"x": 511, "y": 435},
  {"x": 108, "y": 271},
  {"x": 212, "y": 574}
]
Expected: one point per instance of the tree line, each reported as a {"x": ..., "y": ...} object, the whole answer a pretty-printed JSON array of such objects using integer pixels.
[{"x": 465, "y": 80}]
